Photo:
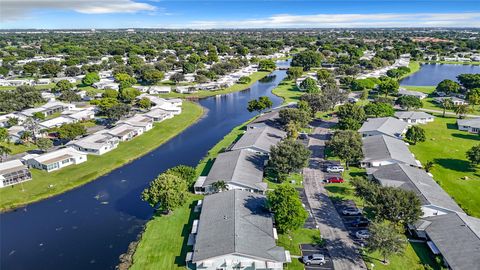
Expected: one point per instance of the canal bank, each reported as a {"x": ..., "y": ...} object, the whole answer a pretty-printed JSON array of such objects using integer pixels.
[{"x": 89, "y": 227}]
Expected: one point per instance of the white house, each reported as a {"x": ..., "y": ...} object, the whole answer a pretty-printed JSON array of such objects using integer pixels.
[
  {"x": 405, "y": 92},
  {"x": 158, "y": 115},
  {"x": 124, "y": 132},
  {"x": 48, "y": 108},
  {"x": 383, "y": 126},
  {"x": 470, "y": 125},
  {"x": 80, "y": 114},
  {"x": 57, "y": 159},
  {"x": 384, "y": 150},
  {"x": 173, "y": 106},
  {"x": 13, "y": 172},
  {"x": 235, "y": 231},
  {"x": 95, "y": 144},
  {"x": 139, "y": 121},
  {"x": 412, "y": 117},
  {"x": 455, "y": 100},
  {"x": 156, "y": 89},
  {"x": 15, "y": 133},
  {"x": 56, "y": 122}
]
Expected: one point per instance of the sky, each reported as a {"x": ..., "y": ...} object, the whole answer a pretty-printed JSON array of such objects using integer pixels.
[{"x": 200, "y": 14}]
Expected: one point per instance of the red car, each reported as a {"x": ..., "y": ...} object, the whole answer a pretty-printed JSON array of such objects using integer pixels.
[{"x": 335, "y": 180}]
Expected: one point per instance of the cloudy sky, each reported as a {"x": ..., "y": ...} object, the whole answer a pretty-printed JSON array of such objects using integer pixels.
[{"x": 71, "y": 14}]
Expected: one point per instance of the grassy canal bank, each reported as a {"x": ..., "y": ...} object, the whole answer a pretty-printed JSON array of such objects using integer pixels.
[{"x": 45, "y": 185}]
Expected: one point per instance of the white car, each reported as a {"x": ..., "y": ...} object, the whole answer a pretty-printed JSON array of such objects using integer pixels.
[
  {"x": 351, "y": 211},
  {"x": 362, "y": 234},
  {"x": 335, "y": 169}
]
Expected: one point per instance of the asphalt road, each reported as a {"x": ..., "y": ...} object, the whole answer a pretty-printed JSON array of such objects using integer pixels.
[{"x": 340, "y": 246}]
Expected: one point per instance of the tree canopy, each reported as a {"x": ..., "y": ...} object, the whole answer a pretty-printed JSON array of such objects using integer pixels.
[
  {"x": 288, "y": 156},
  {"x": 285, "y": 203}
]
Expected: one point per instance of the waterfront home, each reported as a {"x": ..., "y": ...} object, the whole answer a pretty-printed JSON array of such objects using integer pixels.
[
  {"x": 239, "y": 169},
  {"x": 124, "y": 132},
  {"x": 56, "y": 122},
  {"x": 158, "y": 115},
  {"x": 435, "y": 201},
  {"x": 49, "y": 108},
  {"x": 13, "y": 172},
  {"x": 185, "y": 89},
  {"x": 260, "y": 139},
  {"x": 413, "y": 117},
  {"x": 57, "y": 159},
  {"x": 80, "y": 114},
  {"x": 139, "y": 121},
  {"x": 235, "y": 231},
  {"x": 454, "y": 236},
  {"x": 173, "y": 106},
  {"x": 470, "y": 125},
  {"x": 384, "y": 150},
  {"x": 156, "y": 89},
  {"x": 455, "y": 100},
  {"x": 95, "y": 144},
  {"x": 405, "y": 92},
  {"x": 383, "y": 126}
]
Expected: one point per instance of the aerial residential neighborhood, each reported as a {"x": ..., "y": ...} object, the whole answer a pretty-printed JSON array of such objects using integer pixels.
[{"x": 240, "y": 135}]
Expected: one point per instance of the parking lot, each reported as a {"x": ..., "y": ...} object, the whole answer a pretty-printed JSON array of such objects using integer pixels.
[
  {"x": 348, "y": 220},
  {"x": 308, "y": 249},
  {"x": 310, "y": 222}
]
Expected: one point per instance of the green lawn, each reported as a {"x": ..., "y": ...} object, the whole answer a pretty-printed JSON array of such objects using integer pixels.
[
  {"x": 19, "y": 148},
  {"x": 414, "y": 67},
  {"x": 76, "y": 175},
  {"x": 38, "y": 87},
  {"x": 234, "y": 88},
  {"x": 292, "y": 241},
  {"x": 288, "y": 91},
  {"x": 446, "y": 146},
  {"x": 164, "y": 242},
  {"x": 454, "y": 62}
]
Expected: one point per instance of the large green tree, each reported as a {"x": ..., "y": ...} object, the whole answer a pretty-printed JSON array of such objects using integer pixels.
[
  {"x": 300, "y": 117},
  {"x": 307, "y": 59},
  {"x": 294, "y": 72},
  {"x": 448, "y": 87},
  {"x": 288, "y": 156},
  {"x": 347, "y": 145},
  {"x": 285, "y": 203},
  {"x": 267, "y": 65},
  {"x": 71, "y": 131},
  {"x": 166, "y": 192},
  {"x": 260, "y": 104},
  {"x": 388, "y": 87},
  {"x": 386, "y": 240},
  {"x": 379, "y": 109},
  {"x": 473, "y": 155},
  {"x": 409, "y": 102},
  {"x": 90, "y": 78},
  {"x": 309, "y": 85},
  {"x": 415, "y": 134}
]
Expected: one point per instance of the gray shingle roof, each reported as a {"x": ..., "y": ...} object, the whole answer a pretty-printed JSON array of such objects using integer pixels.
[
  {"x": 381, "y": 147},
  {"x": 418, "y": 181},
  {"x": 260, "y": 137},
  {"x": 413, "y": 115},
  {"x": 475, "y": 122},
  {"x": 269, "y": 118},
  {"x": 387, "y": 125},
  {"x": 457, "y": 236},
  {"x": 405, "y": 92},
  {"x": 236, "y": 222},
  {"x": 241, "y": 167}
]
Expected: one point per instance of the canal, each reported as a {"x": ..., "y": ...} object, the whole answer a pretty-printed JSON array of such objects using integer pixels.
[
  {"x": 432, "y": 74},
  {"x": 89, "y": 227}
]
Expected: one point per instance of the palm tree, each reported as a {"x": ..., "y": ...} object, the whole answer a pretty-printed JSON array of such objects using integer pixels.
[
  {"x": 26, "y": 136},
  {"x": 461, "y": 110},
  {"x": 4, "y": 151},
  {"x": 447, "y": 104},
  {"x": 220, "y": 186},
  {"x": 429, "y": 165}
]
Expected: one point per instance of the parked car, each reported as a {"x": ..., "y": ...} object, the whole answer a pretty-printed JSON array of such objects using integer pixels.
[
  {"x": 335, "y": 179},
  {"x": 303, "y": 136},
  {"x": 335, "y": 169},
  {"x": 351, "y": 211},
  {"x": 362, "y": 234},
  {"x": 318, "y": 259},
  {"x": 360, "y": 223}
]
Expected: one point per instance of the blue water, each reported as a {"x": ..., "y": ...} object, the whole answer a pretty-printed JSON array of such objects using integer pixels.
[
  {"x": 432, "y": 74},
  {"x": 89, "y": 227}
]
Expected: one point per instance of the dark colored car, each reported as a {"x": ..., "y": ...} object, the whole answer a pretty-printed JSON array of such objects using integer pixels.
[
  {"x": 335, "y": 180},
  {"x": 360, "y": 223}
]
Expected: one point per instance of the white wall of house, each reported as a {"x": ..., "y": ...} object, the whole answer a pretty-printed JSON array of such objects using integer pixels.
[
  {"x": 417, "y": 121},
  {"x": 231, "y": 261},
  {"x": 77, "y": 159},
  {"x": 469, "y": 129}
]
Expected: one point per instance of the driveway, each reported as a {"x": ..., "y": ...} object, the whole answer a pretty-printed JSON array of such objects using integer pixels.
[
  {"x": 308, "y": 249},
  {"x": 340, "y": 246}
]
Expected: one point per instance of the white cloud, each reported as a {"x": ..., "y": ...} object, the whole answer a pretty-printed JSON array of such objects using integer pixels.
[
  {"x": 468, "y": 19},
  {"x": 13, "y": 10}
]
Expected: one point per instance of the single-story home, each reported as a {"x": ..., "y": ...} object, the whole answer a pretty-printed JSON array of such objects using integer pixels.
[
  {"x": 13, "y": 172},
  {"x": 57, "y": 159},
  {"x": 435, "y": 201},
  {"x": 454, "y": 236},
  {"x": 239, "y": 169},
  {"x": 235, "y": 231},
  {"x": 414, "y": 117},
  {"x": 81, "y": 114},
  {"x": 56, "y": 122},
  {"x": 15, "y": 133},
  {"x": 169, "y": 105},
  {"x": 470, "y": 125},
  {"x": 48, "y": 109},
  {"x": 455, "y": 100},
  {"x": 139, "y": 121},
  {"x": 95, "y": 144},
  {"x": 260, "y": 139},
  {"x": 156, "y": 89},
  {"x": 384, "y": 150},
  {"x": 124, "y": 132},
  {"x": 405, "y": 92},
  {"x": 158, "y": 115},
  {"x": 383, "y": 126}
]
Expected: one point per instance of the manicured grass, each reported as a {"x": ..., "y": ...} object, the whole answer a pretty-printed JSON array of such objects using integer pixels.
[
  {"x": 446, "y": 147},
  {"x": 38, "y": 87},
  {"x": 292, "y": 241},
  {"x": 345, "y": 191},
  {"x": 294, "y": 179},
  {"x": 415, "y": 256},
  {"x": 45, "y": 184},
  {"x": 164, "y": 242},
  {"x": 19, "y": 148},
  {"x": 288, "y": 91},
  {"x": 414, "y": 67},
  {"x": 234, "y": 88}
]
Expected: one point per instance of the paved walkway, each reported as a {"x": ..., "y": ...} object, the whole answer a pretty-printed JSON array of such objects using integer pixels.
[
  {"x": 447, "y": 113},
  {"x": 338, "y": 242}
]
